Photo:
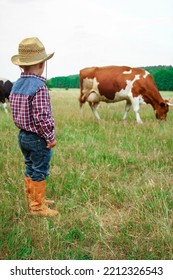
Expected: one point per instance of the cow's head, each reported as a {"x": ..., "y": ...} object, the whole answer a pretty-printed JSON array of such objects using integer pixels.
[{"x": 162, "y": 110}]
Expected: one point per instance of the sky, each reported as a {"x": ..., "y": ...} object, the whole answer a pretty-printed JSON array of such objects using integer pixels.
[{"x": 85, "y": 33}]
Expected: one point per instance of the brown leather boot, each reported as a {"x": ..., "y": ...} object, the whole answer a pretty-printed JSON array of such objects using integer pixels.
[
  {"x": 28, "y": 191},
  {"x": 37, "y": 199}
]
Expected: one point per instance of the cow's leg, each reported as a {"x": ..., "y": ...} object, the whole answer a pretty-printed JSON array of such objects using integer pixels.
[
  {"x": 136, "y": 107},
  {"x": 94, "y": 107},
  {"x": 127, "y": 108},
  {"x": 5, "y": 107}
]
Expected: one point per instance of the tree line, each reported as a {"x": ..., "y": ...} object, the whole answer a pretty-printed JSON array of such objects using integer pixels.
[
  {"x": 163, "y": 76},
  {"x": 66, "y": 82}
]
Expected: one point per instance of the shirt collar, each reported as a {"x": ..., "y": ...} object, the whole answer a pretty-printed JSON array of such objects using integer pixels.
[{"x": 31, "y": 75}]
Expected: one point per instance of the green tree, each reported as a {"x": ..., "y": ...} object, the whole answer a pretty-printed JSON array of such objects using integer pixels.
[{"x": 164, "y": 79}]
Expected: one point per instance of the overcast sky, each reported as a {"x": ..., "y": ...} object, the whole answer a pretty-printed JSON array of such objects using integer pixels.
[{"x": 86, "y": 33}]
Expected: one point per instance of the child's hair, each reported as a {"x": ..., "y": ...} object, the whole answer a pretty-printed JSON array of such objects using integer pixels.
[{"x": 25, "y": 68}]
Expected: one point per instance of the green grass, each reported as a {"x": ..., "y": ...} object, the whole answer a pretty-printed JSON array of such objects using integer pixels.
[{"x": 112, "y": 183}]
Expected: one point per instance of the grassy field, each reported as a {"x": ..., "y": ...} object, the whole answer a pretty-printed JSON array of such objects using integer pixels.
[{"x": 112, "y": 183}]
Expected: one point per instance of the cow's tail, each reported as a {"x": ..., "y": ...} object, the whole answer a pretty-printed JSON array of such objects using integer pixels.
[
  {"x": 82, "y": 100},
  {"x": 82, "y": 97}
]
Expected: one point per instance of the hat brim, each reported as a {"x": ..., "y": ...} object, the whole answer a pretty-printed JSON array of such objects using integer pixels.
[{"x": 16, "y": 59}]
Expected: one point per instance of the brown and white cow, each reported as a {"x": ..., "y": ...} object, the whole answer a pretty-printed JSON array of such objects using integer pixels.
[{"x": 117, "y": 83}]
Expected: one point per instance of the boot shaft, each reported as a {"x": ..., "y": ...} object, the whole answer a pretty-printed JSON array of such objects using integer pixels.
[{"x": 37, "y": 203}]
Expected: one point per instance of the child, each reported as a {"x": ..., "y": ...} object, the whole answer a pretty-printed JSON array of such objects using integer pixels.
[{"x": 32, "y": 114}]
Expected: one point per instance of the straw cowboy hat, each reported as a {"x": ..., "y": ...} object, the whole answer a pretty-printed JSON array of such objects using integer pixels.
[{"x": 31, "y": 51}]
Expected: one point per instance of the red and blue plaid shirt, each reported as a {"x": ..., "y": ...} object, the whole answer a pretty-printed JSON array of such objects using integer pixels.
[{"x": 30, "y": 105}]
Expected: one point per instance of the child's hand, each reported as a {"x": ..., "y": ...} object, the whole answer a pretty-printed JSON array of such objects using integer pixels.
[{"x": 51, "y": 145}]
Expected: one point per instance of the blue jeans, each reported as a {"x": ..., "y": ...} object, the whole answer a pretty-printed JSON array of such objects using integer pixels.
[{"x": 37, "y": 156}]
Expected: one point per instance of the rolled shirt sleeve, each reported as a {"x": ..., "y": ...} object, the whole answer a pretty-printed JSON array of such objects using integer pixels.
[{"x": 42, "y": 115}]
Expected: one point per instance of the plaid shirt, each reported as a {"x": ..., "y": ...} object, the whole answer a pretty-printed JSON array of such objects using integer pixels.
[{"x": 30, "y": 105}]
